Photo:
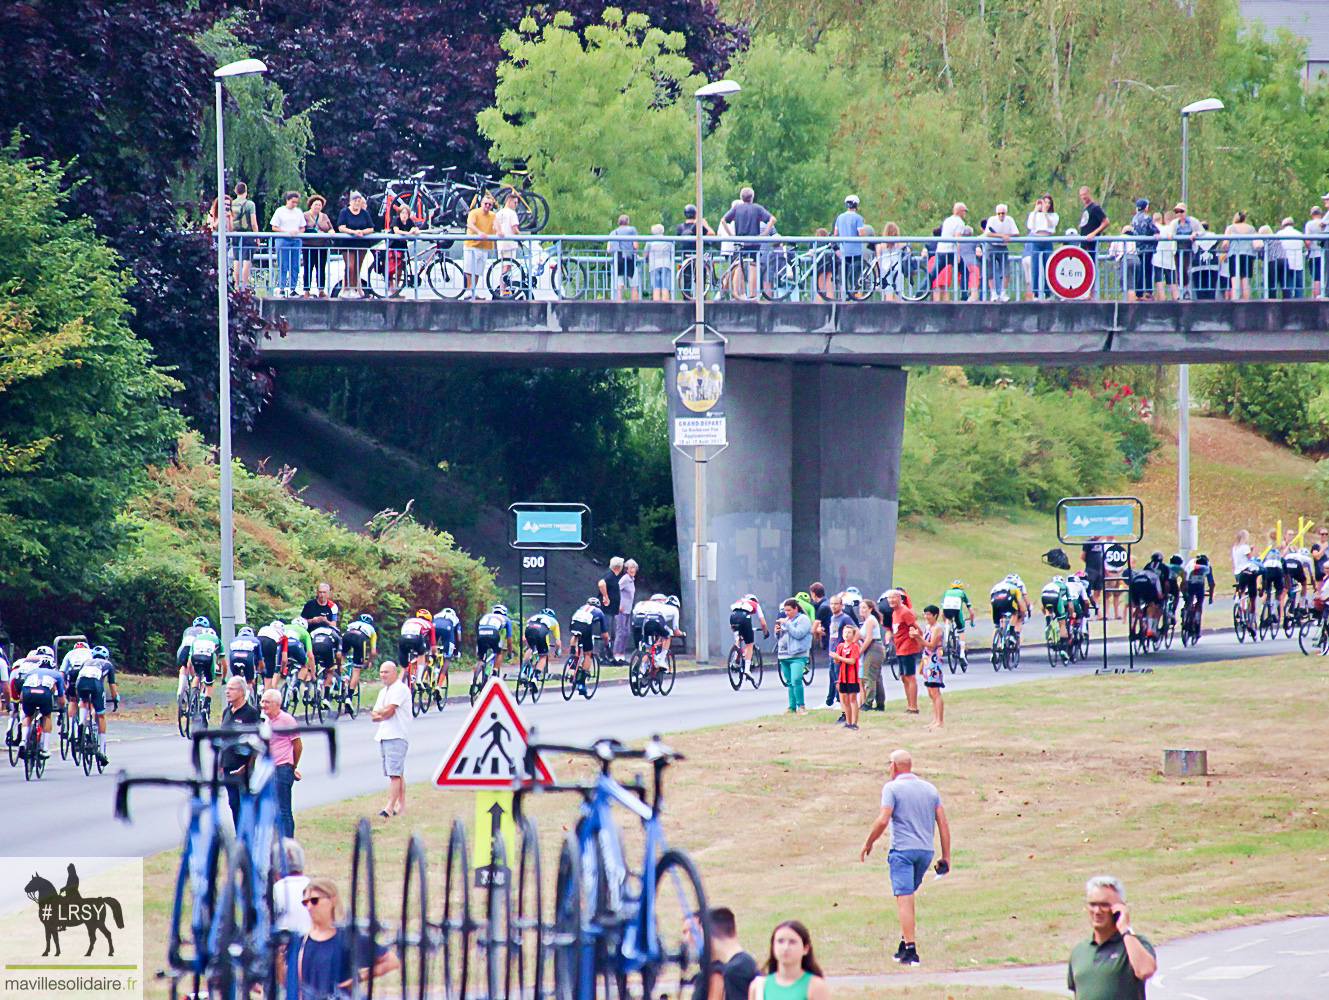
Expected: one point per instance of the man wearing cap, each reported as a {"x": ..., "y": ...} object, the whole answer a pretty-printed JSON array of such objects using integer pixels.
[
  {"x": 850, "y": 224},
  {"x": 1294, "y": 249},
  {"x": 1317, "y": 249},
  {"x": 946, "y": 249},
  {"x": 1142, "y": 224}
]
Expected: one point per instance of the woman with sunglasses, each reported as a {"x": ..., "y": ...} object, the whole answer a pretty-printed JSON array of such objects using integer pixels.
[{"x": 319, "y": 965}]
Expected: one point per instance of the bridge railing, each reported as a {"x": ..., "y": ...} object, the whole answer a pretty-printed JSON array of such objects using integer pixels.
[{"x": 437, "y": 265}]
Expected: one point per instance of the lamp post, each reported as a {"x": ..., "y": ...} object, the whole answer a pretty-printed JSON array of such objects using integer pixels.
[
  {"x": 1186, "y": 533},
  {"x": 721, "y": 88},
  {"x": 226, "y": 571}
]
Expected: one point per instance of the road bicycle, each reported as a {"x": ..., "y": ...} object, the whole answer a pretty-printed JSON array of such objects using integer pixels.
[
  {"x": 518, "y": 277},
  {"x": 1296, "y": 611},
  {"x": 85, "y": 741},
  {"x": 809, "y": 670},
  {"x": 1005, "y": 645},
  {"x": 646, "y": 675},
  {"x": 794, "y": 275},
  {"x": 1140, "y": 638},
  {"x": 738, "y": 670},
  {"x": 530, "y": 677},
  {"x": 903, "y": 274},
  {"x": 1243, "y": 619},
  {"x": 1270, "y": 621},
  {"x": 431, "y": 687},
  {"x": 1314, "y": 633},
  {"x": 576, "y": 678},
  {"x": 34, "y": 758},
  {"x": 1190, "y": 621},
  {"x": 951, "y": 649},
  {"x": 14, "y": 733},
  {"x": 221, "y": 934},
  {"x": 341, "y": 698},
  {"x": 1056, "y": 646},
  {"x": 1079, "y": 638},
  {"x": 484, "y": 669},
  {"x": 614, "y": 931},
  {"x": 189, "y": 704},
  {"x": 532, "y": 209},
  {"x": 1167, "y": 625},
  {"x": 391, "y": 271}
]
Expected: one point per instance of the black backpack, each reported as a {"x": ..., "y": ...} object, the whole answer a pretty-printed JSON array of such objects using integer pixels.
[{"x": 1057, "y": 558}]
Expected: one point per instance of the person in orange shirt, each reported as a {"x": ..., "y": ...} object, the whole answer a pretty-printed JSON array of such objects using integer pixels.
[
  {"x": 475, "y": 251},
  {"x": 846, "y": 655}
]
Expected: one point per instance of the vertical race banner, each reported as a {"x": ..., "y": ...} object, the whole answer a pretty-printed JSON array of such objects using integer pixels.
[{"x": 696, "y": 395}]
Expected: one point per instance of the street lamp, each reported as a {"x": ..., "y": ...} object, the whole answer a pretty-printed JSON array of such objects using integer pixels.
[
  {"x": 226, "y": 573},
  {"x": 721, "y": 88},
  {"x": 1186, "y": 533}
]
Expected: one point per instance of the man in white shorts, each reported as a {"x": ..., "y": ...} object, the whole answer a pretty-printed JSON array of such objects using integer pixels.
[
  {"x": 505, "y": 224},
  {"x": 475, "y": 252}
]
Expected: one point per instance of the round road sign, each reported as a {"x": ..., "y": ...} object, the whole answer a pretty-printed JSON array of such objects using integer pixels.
[
  {"x": 1070, "y": 272},
  {"x": 1114, "y": 558}
]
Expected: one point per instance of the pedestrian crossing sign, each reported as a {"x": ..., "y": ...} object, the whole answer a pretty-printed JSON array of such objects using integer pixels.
[{"x": 490, "y": 745}]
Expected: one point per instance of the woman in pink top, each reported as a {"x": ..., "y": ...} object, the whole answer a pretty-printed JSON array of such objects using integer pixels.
[{"x": 286, "y": 750}]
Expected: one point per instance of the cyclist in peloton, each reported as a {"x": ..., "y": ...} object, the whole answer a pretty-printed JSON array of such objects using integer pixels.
[
  {"x": 1198, "y": 574},
  {"x": 297, "y": 648},
  {"x": 1147, "y": 588},
  {"x": 493, "y": 626},
  {"x": 1271, "y": 572},
  {"x": 415, "y": 642},
  {"x": 43, "y": 687},
  {"x": 204, "y": 656},
  {"x": 1023, "y": 609},
  {"x": 246, "y": 655},
  {"x": 23, "y": 666},
  {"x": 200, "y": 624},
  {"x": 954, "y": 604},
  {"x": 70, "y": 666},
  {"x": 272, "y": 640},
  {"x": 325, "y": 644},
  {"x": 447, "y": 634},
  {"x": 90, "y": 687},
  {"x": 588, "y": 621},
  {"x": 1007, "y": 598},
  {"x": 359, "y": 638},
  {"x": 538, "y": 629},
  {"x": 741, "y": 613},
  {"x": 1082, "y": 600},
  {"x": 654, "y": 622},
  {"x": 1297, "y": 568},
  {"x": 1248, "y": 584},
  {"x": 1056, "y": 599}
]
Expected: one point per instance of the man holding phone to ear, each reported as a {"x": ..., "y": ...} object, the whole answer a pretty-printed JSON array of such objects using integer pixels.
[{"x": 1114, "y": 963}]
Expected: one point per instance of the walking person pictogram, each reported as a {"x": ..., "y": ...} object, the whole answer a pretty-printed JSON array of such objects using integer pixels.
[{"x": 496, "y": 733}]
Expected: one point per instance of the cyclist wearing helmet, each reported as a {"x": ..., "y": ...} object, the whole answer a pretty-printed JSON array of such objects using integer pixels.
[
  {"x": 1146, "y": 589},
  {"x": 447, "y": 633},
  {"x": 204, "y": 656},
  {"x": 1081, "y": 599},
  {"x": 70, "y": 666},
  {"x": 849, "y": 224},
  {"x": 1198, "y": 575},
  {"x": 1007, "y": 598},
  {"x": 954, "y": 604},
  {"x": 415, "y": 642},
  {"x": 43, "y": 686},
  {"x": 741, "y": 613},
  {"x": 200, "y": 624},
  {"x": 588, "y": 621},
  {"x": 90, "y": 689},
  {"x": 325, "y": 645},
  {"x": 1056, "y": 598},
  {"x": 493, "y": 626},
  {"x": 653, "y": 623},
  {"x": 537, "y": 632},
  {"x": 1297, "y": 568},
  {"x": 297, "y": 647},
  {"x": 246, "y": 656},
  {"x": 272, "y": 638},
  {"x": 688, "y": 227},
  {"x": 1271, "y": 572},
  {"x": 359, "y": 644}
]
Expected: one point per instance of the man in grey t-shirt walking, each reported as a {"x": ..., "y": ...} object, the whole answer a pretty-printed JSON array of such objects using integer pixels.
[{"x": 912, "y": 808}]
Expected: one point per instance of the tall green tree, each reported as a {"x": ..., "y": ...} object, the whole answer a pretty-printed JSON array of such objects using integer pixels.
[
  {"x": 81, "y": 409},
  {"x": 605, "y": 120}
]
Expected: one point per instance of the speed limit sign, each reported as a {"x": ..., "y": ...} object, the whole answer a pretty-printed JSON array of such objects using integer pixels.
[{"x": 1070, "y": 272}]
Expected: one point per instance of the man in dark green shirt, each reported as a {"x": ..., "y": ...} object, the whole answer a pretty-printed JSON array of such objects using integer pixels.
[{"x": 1114, "y": 963}]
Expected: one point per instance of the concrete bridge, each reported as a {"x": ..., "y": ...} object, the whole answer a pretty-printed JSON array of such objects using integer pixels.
[{"x": 806, "y": 387}]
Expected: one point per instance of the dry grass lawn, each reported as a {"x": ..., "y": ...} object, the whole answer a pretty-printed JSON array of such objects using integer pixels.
[{"x": 1045, "y": 784}]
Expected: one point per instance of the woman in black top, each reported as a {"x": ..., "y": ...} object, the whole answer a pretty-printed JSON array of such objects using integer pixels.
[
  {"x": 402, "y": 225},
  {"x": 354, "y": 220}
]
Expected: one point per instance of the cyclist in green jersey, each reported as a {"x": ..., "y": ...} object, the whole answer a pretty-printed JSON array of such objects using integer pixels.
[
  {"x": 298, "y": 631},
  {"x": 1056, "y": 599},
  {"x": 954, "y": 606},
  {"x": 204, "y": 656}
]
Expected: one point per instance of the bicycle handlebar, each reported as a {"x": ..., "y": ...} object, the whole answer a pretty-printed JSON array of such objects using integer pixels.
[{"x": 123, "y": 782}]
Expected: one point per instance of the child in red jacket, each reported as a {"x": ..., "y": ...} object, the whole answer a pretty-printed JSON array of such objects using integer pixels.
[{"x": 846, "y": 655}]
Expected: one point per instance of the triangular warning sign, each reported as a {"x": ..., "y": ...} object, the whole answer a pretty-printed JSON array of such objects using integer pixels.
[{"x": 490, "y": 745}]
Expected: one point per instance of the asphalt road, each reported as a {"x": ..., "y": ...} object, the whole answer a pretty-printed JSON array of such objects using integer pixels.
[{"x": 70, "y": 813}]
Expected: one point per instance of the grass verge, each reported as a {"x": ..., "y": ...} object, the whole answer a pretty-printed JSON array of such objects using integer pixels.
[{"x": 1045, "y": 783}]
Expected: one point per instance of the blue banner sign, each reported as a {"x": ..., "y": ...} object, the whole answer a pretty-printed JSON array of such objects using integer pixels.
[
  {"x": 1112, "y": 520},
  {"x": 557, "y": 527}
]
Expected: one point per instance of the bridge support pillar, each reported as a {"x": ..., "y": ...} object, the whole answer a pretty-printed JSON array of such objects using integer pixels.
[{"x": 808, "y": 488}]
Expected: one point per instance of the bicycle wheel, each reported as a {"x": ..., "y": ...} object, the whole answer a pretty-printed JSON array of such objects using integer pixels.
[
  {"x": 362, "y": 909},
  {"x": 1322, "y": 644},
  {"x": 375, "y": 279},
  {"x": 892, "y": 661},
  {"x": 539, "y": 210},
  {"x": 565, "y": 936},
  {"x": 441, "y": 686},
  {"x": 781, "y": 280},
  {"x": 1289, "y": 620},
  {"x": 568, "y": 278},
  {"x": 538, "y": 676},
  {"x": 635, "y": 679},
  {"x": 1238, "y": 620},
  {"x": 735, "y": 668},
  {"x": 31, "y": 747},
  {"x": 811, "y": 669},
  {"x": 526, "y": 944},
  {"x": 525, "y": 673},
  {"x": 234, "y": 964},
  {"x": 182, "y": 712},
  {"x": 687, "y": 278},
  {"x": 1304, "y": 640},
  {"x": 1011, "y": 657},
  {"x": 478, "y": 679},
  {"x": 998, "y": 649},
  {"x": 64, "y": 735},
  {"x": 352, "y": 699},
  {"x": 85, "y": 753},
  {"x": 1084, "y": 641},
  {"x": 419, "y": 696},
  {"x": 952, "y": 652},
  {"x": 456, "y": 925},
  {"x": 506, "y": 278},
  {"x": 867, "y": 283},
  {"x": 754, "y": 672},
  {"x": 1051, "y": 638},
  {"x": 445, "y": 277},
  {"x": 913, "y": 281},
  {"x": 593, "y": 678},
  {"x": 192, "y": 913},
  {"x": 13, "y": 740},
  {"x": 663, "y": 682},
  {"x": 413, "y": 937},
  {"x": 568, "y": 682},
  {"x": 683, "y": 927}
]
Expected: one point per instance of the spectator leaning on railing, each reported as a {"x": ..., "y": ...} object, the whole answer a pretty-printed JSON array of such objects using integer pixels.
[
  {"x": 1294, "y": 251},
  {"x": 354, "y": 220},
  {"x": 1003, "y": 228},
  {"x": 624, "y": 249},
  {"x": 946, "y": 257},
  {"x": 1042, "y": 221},
  {"x": 1315, "y": 262},
  {"x": 316, "y": 259},
  {"x": 288, "y": 223}
]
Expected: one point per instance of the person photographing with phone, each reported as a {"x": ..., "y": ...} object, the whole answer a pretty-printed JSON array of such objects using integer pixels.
[{"x": 1115, "y": 962}]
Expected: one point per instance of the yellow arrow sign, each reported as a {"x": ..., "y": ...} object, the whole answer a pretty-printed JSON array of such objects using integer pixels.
[{"x": 493, "y": 818}]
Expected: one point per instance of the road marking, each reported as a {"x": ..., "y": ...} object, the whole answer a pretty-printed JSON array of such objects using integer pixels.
[
  {"x": 1322, "y": 951},
  {"x": 1228, "y": 972},
  {"x": 1310, "y": 925},
  {"x": 1187, "y": 965},
  {"x": 1248, "y": 944},
  {"x": 1194, "y": 996}
]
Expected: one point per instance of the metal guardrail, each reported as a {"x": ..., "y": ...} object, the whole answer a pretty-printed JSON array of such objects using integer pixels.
[{"x": 432, "y": 265}]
